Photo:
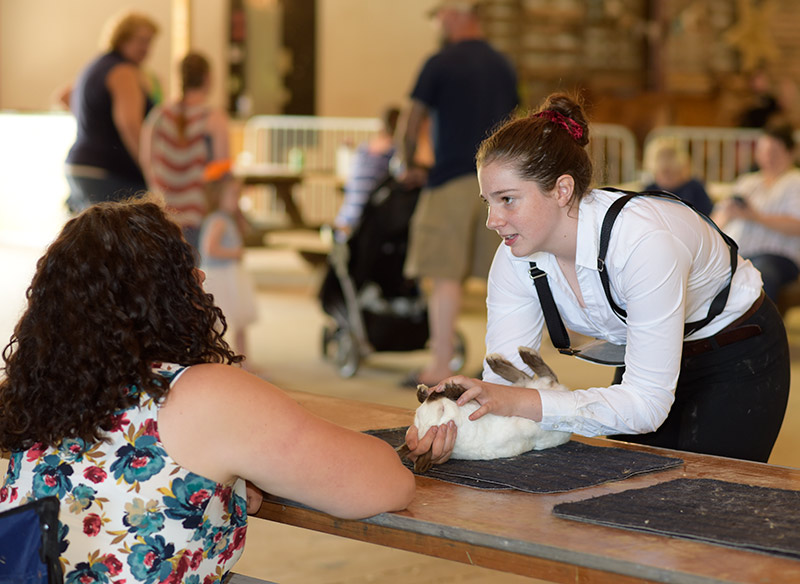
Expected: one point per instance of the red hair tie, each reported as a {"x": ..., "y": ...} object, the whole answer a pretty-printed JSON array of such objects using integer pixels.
[{"x": 574, "y": 128}]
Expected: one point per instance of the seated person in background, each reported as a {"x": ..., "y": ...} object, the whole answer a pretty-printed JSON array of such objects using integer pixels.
[
  {"x": 121, "y": 398},
  {"x": 763, "y": 215},
  {"x": 370, "y": 166},
  {"x": 669, "y": 164}
]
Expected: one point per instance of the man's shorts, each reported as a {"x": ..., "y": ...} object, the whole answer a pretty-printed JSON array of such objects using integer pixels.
[{"x": 448, "y": 237}]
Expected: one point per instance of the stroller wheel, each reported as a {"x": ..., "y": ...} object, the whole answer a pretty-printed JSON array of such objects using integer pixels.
[
  {"x": 348, "y": 356},
  {"x": 328, "y": 335},
  {"x": 459, "y": 353}
]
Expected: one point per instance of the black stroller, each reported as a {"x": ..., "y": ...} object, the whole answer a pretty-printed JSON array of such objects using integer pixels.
[{"x": 373, "y": 306}]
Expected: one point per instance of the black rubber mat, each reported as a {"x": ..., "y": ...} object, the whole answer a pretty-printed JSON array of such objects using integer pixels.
[
  {"x": 731, "y": 514},
  {"x": 570, "y": 466}
]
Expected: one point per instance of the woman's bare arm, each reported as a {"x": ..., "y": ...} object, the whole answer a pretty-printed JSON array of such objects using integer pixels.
[
  {"x": 127, "y": 105},
  {"x": 222, "y": 423},
  {"x": 146, "y": 147}
]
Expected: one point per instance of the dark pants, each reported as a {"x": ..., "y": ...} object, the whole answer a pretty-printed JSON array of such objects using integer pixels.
[
  {"x": 86, "y": 191},
  {"x": 730, "y": 401},
  {"x": 776, "y": 272}
]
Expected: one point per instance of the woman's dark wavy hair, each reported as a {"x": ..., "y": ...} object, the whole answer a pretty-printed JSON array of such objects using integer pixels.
[
  {"x": 114, "y": 293},
  {"x": 540, "y": 149}
]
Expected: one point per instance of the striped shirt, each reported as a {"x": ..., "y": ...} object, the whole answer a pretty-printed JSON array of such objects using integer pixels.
[
  {"x": 178, "y": 162},
  {"x": 368, "y": 170}
]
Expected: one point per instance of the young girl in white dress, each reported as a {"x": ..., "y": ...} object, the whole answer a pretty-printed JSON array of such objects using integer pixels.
[{"x": 221, "y": 252}]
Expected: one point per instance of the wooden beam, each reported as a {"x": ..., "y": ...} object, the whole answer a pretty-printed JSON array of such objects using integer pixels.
[{"x": 180, "y": 41}]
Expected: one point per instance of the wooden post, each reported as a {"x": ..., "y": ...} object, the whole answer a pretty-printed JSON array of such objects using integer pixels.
[{"x": 180, "y": 35}]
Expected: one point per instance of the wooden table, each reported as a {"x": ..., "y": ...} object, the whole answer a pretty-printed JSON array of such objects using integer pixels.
[
  {"x": 282, "y": 178},
  {"x": 516, "y": 532}
]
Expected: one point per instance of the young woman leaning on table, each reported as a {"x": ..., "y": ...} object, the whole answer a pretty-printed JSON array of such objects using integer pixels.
[
  {"x": 701, "y": 376},
  {"x": 122, "y": 399}
]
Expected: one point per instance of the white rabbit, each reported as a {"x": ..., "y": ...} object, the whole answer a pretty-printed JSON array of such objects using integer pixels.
[{"x": 490, "y": 436}]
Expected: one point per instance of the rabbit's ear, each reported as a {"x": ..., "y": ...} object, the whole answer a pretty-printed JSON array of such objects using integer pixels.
[
  {"x": 423, "y": 463},
  {"x": 533, "y": 360},
  {"x": 453, "y": 391},
  {"x": 403, "y": 450},
  {"x": 422, "y": 392},
  {"x": 506, "y": 370}
]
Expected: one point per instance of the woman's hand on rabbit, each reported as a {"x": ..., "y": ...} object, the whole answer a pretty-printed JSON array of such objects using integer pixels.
[
  {"x": 438, "y": 439},
  {"x": 501, "y": 400}
]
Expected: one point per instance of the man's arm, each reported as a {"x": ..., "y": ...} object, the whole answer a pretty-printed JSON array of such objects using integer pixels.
[{"x": 415, "y": 119}]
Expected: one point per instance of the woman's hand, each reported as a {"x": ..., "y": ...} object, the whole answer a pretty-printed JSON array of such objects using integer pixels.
[
  {"x": 501, "y": 400},
  {"x": 439, "y": 440}
]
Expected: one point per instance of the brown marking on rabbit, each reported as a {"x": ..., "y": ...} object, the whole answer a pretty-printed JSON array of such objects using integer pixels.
[{"x": 491, "y": 436}]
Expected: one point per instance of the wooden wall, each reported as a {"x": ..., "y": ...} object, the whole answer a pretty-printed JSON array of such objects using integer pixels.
[{"x": 644, "y": 63}]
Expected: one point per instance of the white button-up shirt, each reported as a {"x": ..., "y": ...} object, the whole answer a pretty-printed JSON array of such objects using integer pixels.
[{"x": 665, "y": 265}]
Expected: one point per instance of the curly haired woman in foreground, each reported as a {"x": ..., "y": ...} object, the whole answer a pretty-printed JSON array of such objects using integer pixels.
[{"x": 120, "y": 399}]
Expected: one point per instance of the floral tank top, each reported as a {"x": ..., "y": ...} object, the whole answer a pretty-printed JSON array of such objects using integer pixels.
[{"x": 129, "y": 513}]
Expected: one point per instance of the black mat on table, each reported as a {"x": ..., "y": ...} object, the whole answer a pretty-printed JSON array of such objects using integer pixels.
[
  {"x": 572, "y": 465},
  {"x": 731, "y": 514}
]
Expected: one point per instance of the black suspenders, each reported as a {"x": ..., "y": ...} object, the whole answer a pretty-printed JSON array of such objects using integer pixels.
[{"x": 555, "y": 326}]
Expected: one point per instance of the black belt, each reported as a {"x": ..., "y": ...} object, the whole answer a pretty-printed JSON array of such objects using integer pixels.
[{"x": 733, "y": 333}]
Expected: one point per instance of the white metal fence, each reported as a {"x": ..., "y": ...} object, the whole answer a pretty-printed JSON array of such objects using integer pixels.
[
  {"x": 613, "y": 151},
  {"x": 321, "y": 145},
  {"x": 717, "y": 155}
]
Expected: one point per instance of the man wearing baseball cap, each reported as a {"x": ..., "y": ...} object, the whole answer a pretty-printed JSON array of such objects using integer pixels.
[{"x": 465, "y": 89}]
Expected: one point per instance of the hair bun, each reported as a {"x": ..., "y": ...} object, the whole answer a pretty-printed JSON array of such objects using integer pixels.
[{"x": 564, "y": 105}]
